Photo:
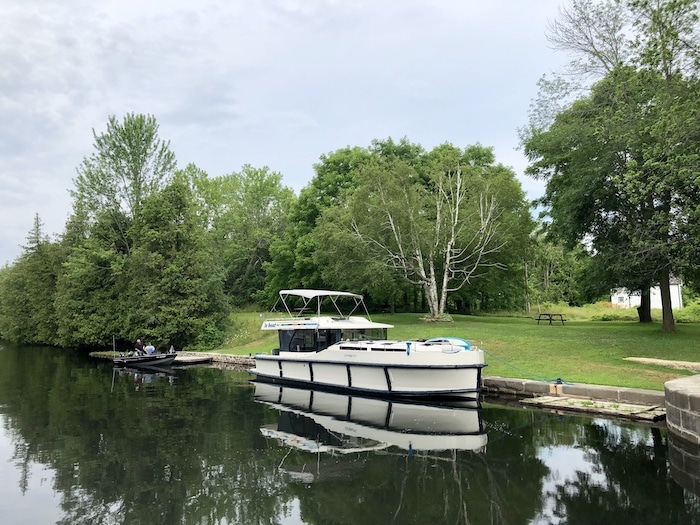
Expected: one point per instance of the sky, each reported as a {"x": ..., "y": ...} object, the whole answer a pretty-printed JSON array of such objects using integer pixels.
[{"x": 274, "y": 83}]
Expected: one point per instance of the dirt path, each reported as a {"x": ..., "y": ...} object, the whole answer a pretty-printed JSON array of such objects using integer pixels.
[{"x": 680, "y": 365}]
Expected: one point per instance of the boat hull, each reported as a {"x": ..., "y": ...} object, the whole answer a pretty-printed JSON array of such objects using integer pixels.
[
  {"x": 146, "y": 360},
  {"x": 416, "y": 375}
]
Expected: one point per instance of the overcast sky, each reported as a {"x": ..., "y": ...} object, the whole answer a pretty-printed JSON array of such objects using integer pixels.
[{"x": 263, "y": 82}]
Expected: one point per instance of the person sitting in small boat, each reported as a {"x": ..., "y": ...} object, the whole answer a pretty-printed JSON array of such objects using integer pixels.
[
  {"x": 150, "y": 349},
  {"x": 138, "y": 347}
]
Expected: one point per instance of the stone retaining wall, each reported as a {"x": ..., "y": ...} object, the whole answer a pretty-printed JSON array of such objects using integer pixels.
[
  {"x": 529, "y": 388},
  {"x": 239, "y": 362},
  {"x": 683, "y": 407},
  {"x": 684, "y": 461}
]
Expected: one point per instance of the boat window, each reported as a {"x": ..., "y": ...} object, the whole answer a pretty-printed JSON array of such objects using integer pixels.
[
  {"x": 299, "y": 341},
  {"x": 326, "y": 338},
  {"x": 353, "y": 348},
  {"x": 334, "y": 336},
  {"x": 285, "y": 337},
  {"x": 369, "y": 334}
]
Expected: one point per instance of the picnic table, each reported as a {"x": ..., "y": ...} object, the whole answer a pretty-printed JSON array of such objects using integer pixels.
[{"x": 550, "y": 317}]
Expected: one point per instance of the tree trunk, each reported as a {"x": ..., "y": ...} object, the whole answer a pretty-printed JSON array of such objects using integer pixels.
[
  {"x": 669, "y": 323},
  {"x": 527, "y": 290},
  {"x": 644, "y": 308},
  {"x": 431, "y": 294}
]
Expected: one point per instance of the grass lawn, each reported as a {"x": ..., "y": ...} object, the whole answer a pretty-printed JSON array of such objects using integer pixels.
[{"x": 583, "y": 351}]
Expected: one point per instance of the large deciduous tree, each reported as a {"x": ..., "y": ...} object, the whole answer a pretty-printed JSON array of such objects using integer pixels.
[
  {"x": 293, "y": 254},
  {"x": 436, "y": 235},
  {"x": 246, "y": 212},
  {"x": 407, "y": 227},
  {"x": 621, "y": 163},
  {"x": 129, "y": 163}
]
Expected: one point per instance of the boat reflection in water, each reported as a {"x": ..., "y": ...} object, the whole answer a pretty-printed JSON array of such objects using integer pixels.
[
  {"x": 144, "y": 375},
  {"x": 318, "y": 421}
]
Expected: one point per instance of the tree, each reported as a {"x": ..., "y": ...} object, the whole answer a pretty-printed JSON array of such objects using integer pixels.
[
  {"x": 292, "y": 255},
  {"x": 594, "y": 33},
  {"x": 130, "y": 162},
  {"x": 618, "y": 162},
  {"x": 89, "y": 286},
  {"x": 27, "y": 291},
  {"x": 173, "y": 292},
  {"x": 436, "y": 237},
  {"x": 248, "y": 211}
]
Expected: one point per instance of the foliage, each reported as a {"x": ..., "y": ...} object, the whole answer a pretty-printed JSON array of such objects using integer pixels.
[
  {"x": 245, "y": 212},
  {"x": 27, "y": 291},
  {"x": 690, "y": 313},
  {"x": 293, "y": 253},
  {"x": 175, "y": 286},
  {"x": 431, "y": 220},
  {"x": 130, "y": 162},
  {"x": 619, "y": 162}
]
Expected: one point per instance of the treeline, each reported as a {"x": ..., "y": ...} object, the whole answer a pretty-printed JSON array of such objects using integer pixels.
[{"x": 163, "y": 253}]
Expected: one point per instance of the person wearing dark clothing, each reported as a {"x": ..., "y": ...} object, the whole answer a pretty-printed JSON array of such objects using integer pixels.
[{"x": 138, "y": 347}]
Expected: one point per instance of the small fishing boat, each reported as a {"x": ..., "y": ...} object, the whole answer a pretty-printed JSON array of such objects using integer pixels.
[
  {"x": 324, "y": 344},
  {"x": 146, "y": 360}
]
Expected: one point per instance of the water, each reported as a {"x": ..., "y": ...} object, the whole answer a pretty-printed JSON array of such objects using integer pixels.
[{"x": 81, "y": 443}]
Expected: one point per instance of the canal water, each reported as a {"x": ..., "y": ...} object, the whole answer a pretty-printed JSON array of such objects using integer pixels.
[{"x": 82, "y": 443}]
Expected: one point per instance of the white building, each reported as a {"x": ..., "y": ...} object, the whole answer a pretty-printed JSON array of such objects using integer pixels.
[{"x": 623, "y": 298}]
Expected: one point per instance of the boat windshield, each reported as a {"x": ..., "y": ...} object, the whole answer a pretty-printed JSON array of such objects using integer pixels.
[{"x": 305, "y": 340}]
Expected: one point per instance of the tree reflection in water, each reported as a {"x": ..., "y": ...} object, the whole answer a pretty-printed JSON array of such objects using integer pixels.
[{"x": 188, "y": 448}]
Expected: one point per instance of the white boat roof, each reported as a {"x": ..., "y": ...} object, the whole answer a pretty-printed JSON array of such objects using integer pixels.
[
  {"x": 321, "y": 323},
  {"x": 313, "y": 311},
  {"x": 310, "y": 294}
]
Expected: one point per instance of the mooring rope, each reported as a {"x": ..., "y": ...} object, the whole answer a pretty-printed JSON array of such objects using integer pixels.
[{"x": 532, "y": 375}]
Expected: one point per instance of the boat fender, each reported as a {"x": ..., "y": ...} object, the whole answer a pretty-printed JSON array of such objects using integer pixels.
[{"x": 408, "y": 347}]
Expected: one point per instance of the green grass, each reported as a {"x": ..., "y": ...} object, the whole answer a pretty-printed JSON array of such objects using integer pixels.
[{"x": 584, "y": 351}]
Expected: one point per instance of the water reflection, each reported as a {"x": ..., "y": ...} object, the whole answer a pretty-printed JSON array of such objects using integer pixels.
[
  {"x": 80, "y": 444},
  {"x": 318, "y": 421},
  {"x": 144, "y": 375},
  {"x": 684, "y": 460}
]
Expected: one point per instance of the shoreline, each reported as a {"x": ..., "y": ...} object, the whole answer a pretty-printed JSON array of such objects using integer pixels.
[{"x": 635, "y": 404}]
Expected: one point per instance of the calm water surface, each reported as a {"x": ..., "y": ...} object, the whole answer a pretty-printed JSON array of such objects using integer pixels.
[{"x": 81, "y": 443}]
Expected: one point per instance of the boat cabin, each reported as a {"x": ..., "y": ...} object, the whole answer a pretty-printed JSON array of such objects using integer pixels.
[
  {"x": 313, "y": 337},
  {"x": 301, "y": 332}
]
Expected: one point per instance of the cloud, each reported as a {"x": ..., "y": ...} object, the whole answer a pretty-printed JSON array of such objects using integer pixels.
[{"x": 276, "y": 83}]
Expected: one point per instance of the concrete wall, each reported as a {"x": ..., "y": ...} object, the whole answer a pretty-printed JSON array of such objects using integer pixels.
[{"x": 683, "y": 407}]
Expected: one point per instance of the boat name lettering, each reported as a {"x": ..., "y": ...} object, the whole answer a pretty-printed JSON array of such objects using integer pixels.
[{"x": 288, "y": 324}]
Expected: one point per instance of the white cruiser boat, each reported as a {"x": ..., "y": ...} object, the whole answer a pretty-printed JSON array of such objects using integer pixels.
[
  {"x": 322, "y": 345},
  {"x": 317, "y": 421}
]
